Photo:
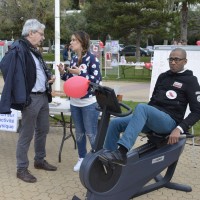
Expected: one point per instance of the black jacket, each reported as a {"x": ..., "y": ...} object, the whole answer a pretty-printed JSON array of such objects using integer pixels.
[
  {"x": 19, "y": 73},
  {"x": 173, "y": 92}
]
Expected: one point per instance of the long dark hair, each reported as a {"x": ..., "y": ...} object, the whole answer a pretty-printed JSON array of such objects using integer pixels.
[{"x": 84, "y": 39}]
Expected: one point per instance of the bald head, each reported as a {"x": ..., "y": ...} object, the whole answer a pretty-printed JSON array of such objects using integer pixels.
[
  {"x": 177, "y": 60},
  {"x": 182, "y": 52}
]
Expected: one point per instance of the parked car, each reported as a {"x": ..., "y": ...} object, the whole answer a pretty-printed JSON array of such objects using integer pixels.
[
  {"x": 62, "y": 46},
  {"x": 45, "y": 49},
  {"x": 130, "y": 50},
  {"x": 121, "y": 46},
  {"x": 150, "y": 50}
]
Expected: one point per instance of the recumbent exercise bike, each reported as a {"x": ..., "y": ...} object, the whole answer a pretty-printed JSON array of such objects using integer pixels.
[{"x": 144, "y": 163}]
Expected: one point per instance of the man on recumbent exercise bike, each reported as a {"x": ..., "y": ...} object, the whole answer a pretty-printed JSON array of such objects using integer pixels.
[{"x": 164, "y": 114}]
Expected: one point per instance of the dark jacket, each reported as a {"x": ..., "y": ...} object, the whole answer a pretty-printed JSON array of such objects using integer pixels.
[
  {"x": 19, "y": 73},
  {"x": 173, "y": 92}
]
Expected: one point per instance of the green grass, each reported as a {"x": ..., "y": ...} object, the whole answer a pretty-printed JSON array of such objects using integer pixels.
[
  {"x": 48, "y": 56},
  {"x": 133, "y": 59},
  {"x": 130, "y": 73}
]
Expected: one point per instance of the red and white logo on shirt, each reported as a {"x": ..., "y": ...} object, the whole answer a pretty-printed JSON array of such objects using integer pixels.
[
  {"x": 171, "y": 94},
  {"x": 177, "y": 84}
]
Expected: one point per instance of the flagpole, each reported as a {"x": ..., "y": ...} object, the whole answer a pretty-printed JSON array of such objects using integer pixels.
[{"x": 57, "y": 44}]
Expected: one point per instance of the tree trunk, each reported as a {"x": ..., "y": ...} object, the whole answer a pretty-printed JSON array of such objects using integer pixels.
[
  {"x": 138, "y": 39},
  {"x": 184, "y": 21}
]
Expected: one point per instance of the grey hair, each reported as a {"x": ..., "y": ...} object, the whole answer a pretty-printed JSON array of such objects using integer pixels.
[{"x": 32, "y": 25}]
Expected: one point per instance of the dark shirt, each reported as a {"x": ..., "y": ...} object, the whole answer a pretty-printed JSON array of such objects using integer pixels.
[{"x": 173, "y": 92}]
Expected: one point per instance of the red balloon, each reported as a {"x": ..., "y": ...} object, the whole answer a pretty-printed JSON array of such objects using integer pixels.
[
  {"x": 76, "y": 87},
  {"x": 148, "y": 65},
  {"x": 198, "y": 42}
]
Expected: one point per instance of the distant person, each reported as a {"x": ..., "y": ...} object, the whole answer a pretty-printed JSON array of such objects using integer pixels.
[
  {"x": 179, "y": 42},
  {"x": 164, "y": 114},
  {"x": 184, "y": 42},
  {"x": 83, "y": 110},
  {"x": 174, "y": 42},
  {"x": 71, "y": 53},
  {"x": 66, "y": 53},
  {"x": 28, "y": 88}
]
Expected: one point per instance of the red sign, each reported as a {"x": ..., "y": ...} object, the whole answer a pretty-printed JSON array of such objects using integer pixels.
[
  {"x": 2, "y": 43},
  {"x": 108, "y": 56}
]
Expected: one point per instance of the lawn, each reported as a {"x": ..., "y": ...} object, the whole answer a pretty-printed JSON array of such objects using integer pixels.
[{"x": 130, "y": 73}]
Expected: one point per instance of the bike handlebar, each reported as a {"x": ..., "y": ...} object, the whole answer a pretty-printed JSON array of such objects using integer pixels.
[
  {"x": 188, "y": 135},
  {"x": 129, "y": 111},
  {"x": 185, "y": 135}
]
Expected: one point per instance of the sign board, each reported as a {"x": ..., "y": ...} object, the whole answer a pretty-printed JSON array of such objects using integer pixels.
[
  {"x": 161, "y": 64},
  {"x": 3, "y": 48},
  {"x": 112, "y": 46},
  {"x": 9, "y": 122},
  {"x": 96, "y": 49},
  {"x": 111, "y": 53}
]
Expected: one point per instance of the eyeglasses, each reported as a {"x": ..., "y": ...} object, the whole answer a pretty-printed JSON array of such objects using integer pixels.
[
  {"x": 176, "y": 60},
  {"x": 41, "y": 34}
]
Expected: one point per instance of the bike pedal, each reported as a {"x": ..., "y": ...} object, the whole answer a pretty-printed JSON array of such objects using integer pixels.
[{"x": 104, "y": 162}]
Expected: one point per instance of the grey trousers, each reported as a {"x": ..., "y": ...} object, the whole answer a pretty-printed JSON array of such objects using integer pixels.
[{"x": 35, "y": 119}]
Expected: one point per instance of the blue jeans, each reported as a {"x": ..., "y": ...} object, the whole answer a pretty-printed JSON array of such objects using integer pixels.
[
  {"x": 85, "y": 120},
  {"x": 145, "y": 118}
]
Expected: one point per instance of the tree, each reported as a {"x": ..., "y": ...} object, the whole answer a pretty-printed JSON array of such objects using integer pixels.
[
  {"x": 193, "y": 26},
  {"x": 122, "y": 18},
  {"x": 184, "y": 9},
  {"x": 75, "y": 5},
  {"x": 97, "y": 18},
  {"x": 71, "y": 23},
  {"x": 15, "y": 12}
]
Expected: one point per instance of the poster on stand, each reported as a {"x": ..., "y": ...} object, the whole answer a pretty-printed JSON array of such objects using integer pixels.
[
  {"x": 9, "y": 122},
  {"x": 112, "y": 52}
]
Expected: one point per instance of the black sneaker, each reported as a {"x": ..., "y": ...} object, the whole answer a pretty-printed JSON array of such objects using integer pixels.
[
  {"x": 113, "y": 157},
  {"x": 25, "y": 175},
  {"x": 44, "y": 165}
]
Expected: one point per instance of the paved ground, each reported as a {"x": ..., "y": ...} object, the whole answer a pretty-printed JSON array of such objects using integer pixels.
[
  {"x": 64, "y": 183},
  {"x": 135, "y": 91}
]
